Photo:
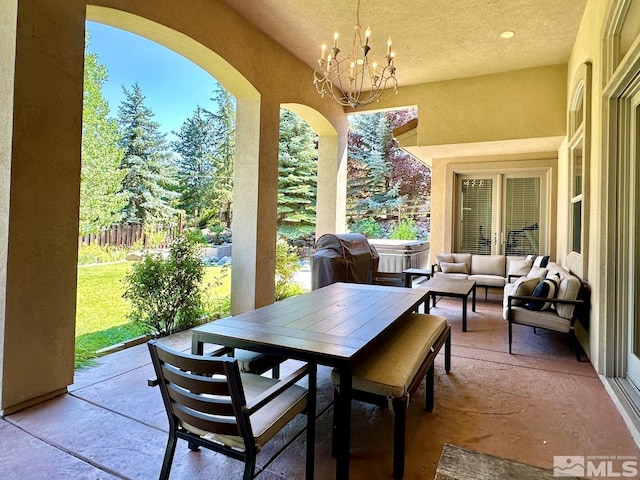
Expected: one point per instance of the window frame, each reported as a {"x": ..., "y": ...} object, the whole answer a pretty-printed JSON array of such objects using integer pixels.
[{"x": 579, "y": 146}]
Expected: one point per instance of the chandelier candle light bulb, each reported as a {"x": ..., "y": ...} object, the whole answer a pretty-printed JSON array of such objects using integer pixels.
[{"x": 353, "y": 80}]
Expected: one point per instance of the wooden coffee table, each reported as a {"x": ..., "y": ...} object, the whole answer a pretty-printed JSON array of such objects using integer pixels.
[{"x": 451, "y": 287}]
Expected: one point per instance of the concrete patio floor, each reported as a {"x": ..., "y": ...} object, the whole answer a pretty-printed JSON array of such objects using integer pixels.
[{"x": 530, "y": 406}]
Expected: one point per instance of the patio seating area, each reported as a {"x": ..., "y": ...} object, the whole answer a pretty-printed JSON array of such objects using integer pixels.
[{"x": 528, "y": 407}]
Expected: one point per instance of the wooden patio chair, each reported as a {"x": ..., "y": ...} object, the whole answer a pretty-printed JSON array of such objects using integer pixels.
[{"x": 210, "y": 404}]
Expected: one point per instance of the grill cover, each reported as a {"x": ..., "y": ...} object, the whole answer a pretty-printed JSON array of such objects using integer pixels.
[{"x": 344, "y": 257}]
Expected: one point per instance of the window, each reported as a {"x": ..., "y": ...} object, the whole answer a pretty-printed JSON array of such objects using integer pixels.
[
  {"x": 578, "y": 129},
  {"x": 575, "y": 223},
  {"x": 502, "y": 213}
]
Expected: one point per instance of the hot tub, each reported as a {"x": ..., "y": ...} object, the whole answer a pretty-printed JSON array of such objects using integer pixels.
[{"x": 398, "y": 255}]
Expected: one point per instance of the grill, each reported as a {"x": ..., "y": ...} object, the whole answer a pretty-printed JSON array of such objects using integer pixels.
[{"x": 345, "y": 257}]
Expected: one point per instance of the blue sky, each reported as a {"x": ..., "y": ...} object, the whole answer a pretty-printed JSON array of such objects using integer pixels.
[{"x": 172, "y": 85}]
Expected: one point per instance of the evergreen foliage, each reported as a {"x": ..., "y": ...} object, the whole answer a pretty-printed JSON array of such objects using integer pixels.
[
  {"x": 382, "y": 177},
  {"x": 297, "y": 178},
  {"x": 195, "y": 161},
  {"x": 369, "y": 186},
  {"x": 219, "y": 197},
  {"x": 149, "y": 180},
  {"x": 100, "y": 200}
]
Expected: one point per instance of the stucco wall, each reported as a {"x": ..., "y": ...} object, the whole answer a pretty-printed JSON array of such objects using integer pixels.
[
  {"x": 588, "y": 48},
  {"x": 525, "y": 103}
]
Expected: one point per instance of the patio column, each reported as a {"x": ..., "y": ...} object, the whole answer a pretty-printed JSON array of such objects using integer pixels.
[
  {"x": 332, "y": 184},
  {"x": 254, "y": 204},
  {"x": 41, "y": 77}
]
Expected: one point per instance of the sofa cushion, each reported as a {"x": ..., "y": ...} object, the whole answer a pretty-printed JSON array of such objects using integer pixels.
[
  {"x": 453, "y": 267},
  {"x": 463, "y": 257},
  {"x": 568, "y": 289},
  {"x": 488, "y": 280},
  {"x": 545, "y": 319},
  {"x": 444, "y": 257},
  {"x": 523, "y": 287},
  {"x": 544, "y": 289},
  {"x": 519, "y": 267},
  {"x": 488, "y": 265}
]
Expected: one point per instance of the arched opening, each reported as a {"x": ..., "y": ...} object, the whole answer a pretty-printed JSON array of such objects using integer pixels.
[
  {"x": 247, "y": 140},
  {"x": 157, "y": 161},
  {"x": 330, "y": 198}
]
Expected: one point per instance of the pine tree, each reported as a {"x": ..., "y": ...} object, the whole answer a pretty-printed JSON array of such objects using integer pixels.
[
  {"x": 381, "y": 176},
  {"x": 100, "y": 202},
  {"x": 297, "y": 180},
  {"x": 369, "y": 185},
  {"x": 148, "y": 180},
  {"x": 223, "y": 122},
  {"x": 195, "y": 161}
]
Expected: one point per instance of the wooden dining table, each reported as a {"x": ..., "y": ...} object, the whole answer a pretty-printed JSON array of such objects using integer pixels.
[{"x": 331, "y": 326}]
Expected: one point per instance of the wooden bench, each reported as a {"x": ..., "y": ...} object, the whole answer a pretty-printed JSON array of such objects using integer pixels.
[{"x": 391, "y": 373}]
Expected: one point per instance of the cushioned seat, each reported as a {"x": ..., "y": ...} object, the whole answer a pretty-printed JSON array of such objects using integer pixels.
[
  {"x": 390, "y": 373},
  {"x": 557, "y": 309},
  {"x": 390, "y": 369}
]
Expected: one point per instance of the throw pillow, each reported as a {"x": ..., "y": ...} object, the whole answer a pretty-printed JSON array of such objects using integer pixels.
[
  {"x": 523, "y": 287},
  {"x": 545, "y": 289},
  {"x": 519, "y": 267},
  {"x": 452, "y": 267},
  {"x": 537, "y": 272},
  {"x": 539, "y": 260}
]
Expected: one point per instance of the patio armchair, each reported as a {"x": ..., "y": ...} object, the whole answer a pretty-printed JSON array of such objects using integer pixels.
[
  {"x": 210, "y": 404},
  {"x": 554, "y": 308}
]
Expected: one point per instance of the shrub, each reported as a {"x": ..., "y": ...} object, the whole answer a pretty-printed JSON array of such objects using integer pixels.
[
  {"x": 96, "y": 254},
  {"x": 287, "y": 265},
  {"x": 406, "y": 230},
  {"x": 153, "y": 238},
  {"x": 367, "y": 227},
  {"x": 165, "y": 293},
  {"x": 218, "y": 306}
]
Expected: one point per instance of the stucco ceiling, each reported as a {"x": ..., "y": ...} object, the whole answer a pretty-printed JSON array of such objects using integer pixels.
[{"x": 433, "y": 39}]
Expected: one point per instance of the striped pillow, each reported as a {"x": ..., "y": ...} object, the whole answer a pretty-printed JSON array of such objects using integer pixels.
[
  {"x": 539, "y": 260},
  {"x": 545, "y": 289}
]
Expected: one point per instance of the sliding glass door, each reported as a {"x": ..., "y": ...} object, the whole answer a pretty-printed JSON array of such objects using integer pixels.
[{"x": 501, "y": 213}]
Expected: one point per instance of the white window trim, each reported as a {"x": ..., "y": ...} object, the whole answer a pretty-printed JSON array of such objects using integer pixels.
[{"x": 579, "y": 131}]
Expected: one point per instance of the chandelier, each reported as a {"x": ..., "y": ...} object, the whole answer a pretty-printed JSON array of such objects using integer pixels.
[{"x": 355, "y": 79}]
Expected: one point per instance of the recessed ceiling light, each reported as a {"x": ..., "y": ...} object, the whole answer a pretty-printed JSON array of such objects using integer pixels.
[{"x": 507, "y": 34}]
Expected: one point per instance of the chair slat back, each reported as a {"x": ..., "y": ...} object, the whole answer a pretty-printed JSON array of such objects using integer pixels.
[{"x": 202, "y": 392}]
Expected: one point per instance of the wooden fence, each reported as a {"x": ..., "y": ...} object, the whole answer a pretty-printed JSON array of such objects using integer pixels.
[{"x": 127, "y": 235}]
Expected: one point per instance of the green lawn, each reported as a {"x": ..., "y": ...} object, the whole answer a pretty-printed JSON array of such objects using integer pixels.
[{"x": 101, "y": 312}]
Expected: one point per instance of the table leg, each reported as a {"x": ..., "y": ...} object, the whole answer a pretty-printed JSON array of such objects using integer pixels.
[
  {"x": 473, "y": 299},
  {"x": 464, "y": 314},
  {"x": 408, "y": 279},
  {"x": 343, "y": 429},
  {"x": 427, "y": 305},
  {"x": 197, "y": 345}
]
